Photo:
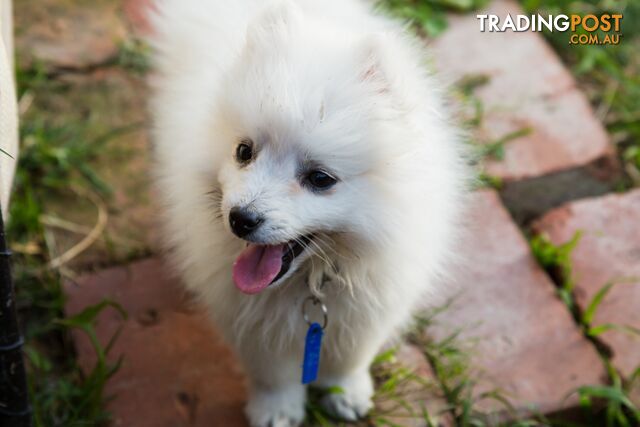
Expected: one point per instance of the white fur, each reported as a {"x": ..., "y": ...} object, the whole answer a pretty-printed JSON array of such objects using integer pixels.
[{"x": 328, "y": 82}]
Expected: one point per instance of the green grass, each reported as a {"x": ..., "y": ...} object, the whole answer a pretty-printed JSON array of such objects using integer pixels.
[
  {"x": 396, "y": 388},
  {"x": 428, "y": 16},
  {"x": 58, "y": 150},
  {"x": 452, "y": 362},
  {"x": 61, "y": 393},
  {"x": 610, "y": 404},
  {"x": 53, "y": 159},
  {"x": 133, "y": 56},
  {"x": 450, "y": 358},
  {"x": 472, "y": 120},
  {"x": 613, "y": 405},
  {"x": 556, "y": 260},
  {"x": 587, "y": 317},
  {"x": 69, "y": 396},
  {"x": 454, "y": 385}
]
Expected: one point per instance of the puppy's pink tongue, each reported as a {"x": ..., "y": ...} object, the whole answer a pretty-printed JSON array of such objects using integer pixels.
[{"x": 256, "y": 267}]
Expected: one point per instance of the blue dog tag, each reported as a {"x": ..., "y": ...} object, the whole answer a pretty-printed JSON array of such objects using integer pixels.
[{"x": 312, "y": 345}]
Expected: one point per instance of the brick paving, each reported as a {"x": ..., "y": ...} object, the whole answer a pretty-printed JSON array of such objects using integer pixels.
[
  {"x": 136, "y": 13},
  {"x": 418, "y": 398},
  {"x": 176, "y": 370},
  {"x": 78, "y": 37},
  {"x": 607, "y": 252},
  {"x": 526, "y": 343},
  {"x": 175, "y": 366},
  {"x": 566, "y": 153}
]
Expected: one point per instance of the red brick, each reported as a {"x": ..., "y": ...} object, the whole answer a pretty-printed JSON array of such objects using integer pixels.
[
  {"x": 74, "y": 35},
  {"x": 528, "y": 87},
  {"x": 176, "y": 370},
  {"x": 136, "y": 12},
  {"x": 175, "y": 364},
  {"x": 607, "y": 252},
  {"x": 416, "y": 395},
  {"x": 526, "y": 342}
]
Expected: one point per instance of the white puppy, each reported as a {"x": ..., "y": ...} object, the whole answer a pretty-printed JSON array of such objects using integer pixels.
[{"x": 302, "y": 148}]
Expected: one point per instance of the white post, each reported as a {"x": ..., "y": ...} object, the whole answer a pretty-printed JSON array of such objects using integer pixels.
[
  {"x": 8, "y": 107},
  {"x": 6, "y": 24}
]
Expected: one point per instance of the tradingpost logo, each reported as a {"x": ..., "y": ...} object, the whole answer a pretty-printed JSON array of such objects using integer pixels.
[{"x": 585, "y": 29}]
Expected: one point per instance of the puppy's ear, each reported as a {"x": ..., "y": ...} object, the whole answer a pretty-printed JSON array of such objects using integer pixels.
[
  {"x": 277, "y": 24},
  {"x": 373, "y": 57}
]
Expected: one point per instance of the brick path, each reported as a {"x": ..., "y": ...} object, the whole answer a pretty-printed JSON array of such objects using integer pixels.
[
  {"x": 566, "y": 153},
  {"x": 528, "y": 345},
  {"x": 608, "y": 252},
  {"x": 177, "y": 372}
]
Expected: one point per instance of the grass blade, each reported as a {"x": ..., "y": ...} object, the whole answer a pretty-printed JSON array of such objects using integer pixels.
[{"x": 589, "y": 313}]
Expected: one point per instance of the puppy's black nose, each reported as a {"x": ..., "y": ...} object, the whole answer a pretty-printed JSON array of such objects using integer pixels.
[{"x": 243, "y": 221}]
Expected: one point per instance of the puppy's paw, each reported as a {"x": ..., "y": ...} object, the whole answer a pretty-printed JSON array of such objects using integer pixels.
[
  {"x": 354, "y": 400},
  {"x": 347, "y": 408},
  {"x": 277, "y": 408}
]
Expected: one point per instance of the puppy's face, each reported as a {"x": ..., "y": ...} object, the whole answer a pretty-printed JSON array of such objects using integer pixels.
[
  {"x": 296, "y": 167},
  {"x": 285, "y": 203},
  {"x": 287, "y": 194}
]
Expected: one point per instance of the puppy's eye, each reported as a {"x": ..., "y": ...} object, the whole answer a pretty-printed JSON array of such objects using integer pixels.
[
  {"x": 320, "y": 180},
  {"x": 244, "y": 152}
]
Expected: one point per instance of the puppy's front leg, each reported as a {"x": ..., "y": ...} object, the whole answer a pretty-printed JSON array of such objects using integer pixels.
[
  {"x": 277, "y": 397},
  {"x": 353, "y": 401}
]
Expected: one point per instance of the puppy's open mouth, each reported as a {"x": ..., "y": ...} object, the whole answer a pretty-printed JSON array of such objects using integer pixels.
[{"x": 258, "y": 266}]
